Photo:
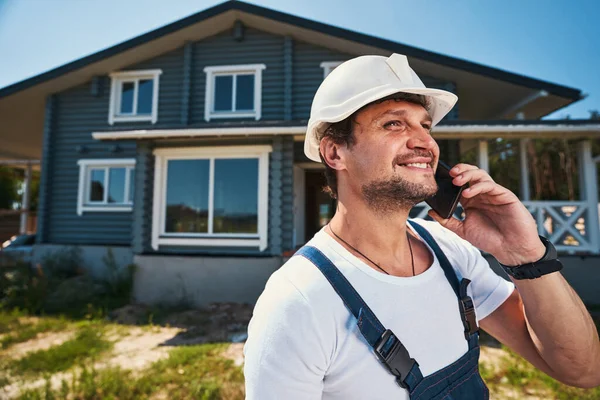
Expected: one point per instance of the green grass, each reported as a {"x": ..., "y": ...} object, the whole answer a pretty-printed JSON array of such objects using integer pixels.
[
  {"x": 89, "y": 384},
  {"x": 9, "y": 320},
  {"x": 192, "y": 372},
  {"x": 87, "y": 343},
  {"x": 22, "y": 332},
  {"x": 519, "y": 374},
  {"x": 197, "y": 372}
]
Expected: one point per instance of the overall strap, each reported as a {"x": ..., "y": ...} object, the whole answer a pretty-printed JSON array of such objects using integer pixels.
[
  {"x": 465, "y": 303},
  {"x": 439, "y": 254},
  {"x": 387, "y": 347}
]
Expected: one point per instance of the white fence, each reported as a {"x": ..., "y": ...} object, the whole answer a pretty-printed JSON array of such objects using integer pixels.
[{"x": 567, "y": 224}]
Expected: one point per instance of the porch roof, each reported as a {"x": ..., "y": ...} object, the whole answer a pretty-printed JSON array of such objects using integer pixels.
[{"x": 571, "y": 129}]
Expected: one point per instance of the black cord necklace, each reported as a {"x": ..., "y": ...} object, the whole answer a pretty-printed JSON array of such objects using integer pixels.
[{"x": 373, "y": 262}]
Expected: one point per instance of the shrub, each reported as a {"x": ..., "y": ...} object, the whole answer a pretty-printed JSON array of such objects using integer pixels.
[
  {"x": 63, "y": 264},
  {"x": 23, "y": 287},
  {"x": 119, "y": 281},
  {"x": 59, "y": 285}
]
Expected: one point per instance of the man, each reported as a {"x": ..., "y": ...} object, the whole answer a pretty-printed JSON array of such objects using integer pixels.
[{"x": 380, "y": 307}]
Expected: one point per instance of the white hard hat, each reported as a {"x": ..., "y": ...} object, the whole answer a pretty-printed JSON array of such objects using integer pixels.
[{"x": 363, "y": 80}]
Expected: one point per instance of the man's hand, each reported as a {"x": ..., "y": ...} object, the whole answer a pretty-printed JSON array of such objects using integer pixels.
[
  {"x": 544, "y": 320},
  {"x": 495, "y": 219}
]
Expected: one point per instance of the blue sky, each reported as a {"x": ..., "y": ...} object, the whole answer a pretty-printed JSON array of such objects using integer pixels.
[{"x": 553, "y": 40}]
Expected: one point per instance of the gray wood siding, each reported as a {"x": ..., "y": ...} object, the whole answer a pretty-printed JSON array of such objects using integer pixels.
[
  {"x": 170, "y": 95},
  {"x": 142, "y": 211},
  {"x": 79, "y": 112},
  {"x": 287, "y": 193},
  {"x": 256, "y": 48},
  {"x": 308, "y": 75},
  {"x": 46, "y": 170}
]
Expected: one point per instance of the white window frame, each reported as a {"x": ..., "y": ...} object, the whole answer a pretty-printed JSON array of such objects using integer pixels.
[
  {"x": 162, "y": 156},
  {"x": 85, "y": 168},
  {"x": 214, "y": 71},
  {"x": 329, "y": 66},
  {"x": 117, "y": 80}
]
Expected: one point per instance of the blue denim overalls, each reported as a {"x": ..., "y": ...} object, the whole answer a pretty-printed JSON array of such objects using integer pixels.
[{"x": 459, "y": 380}]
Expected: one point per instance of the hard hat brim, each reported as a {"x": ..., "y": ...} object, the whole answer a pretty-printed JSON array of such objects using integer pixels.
[{"x": 441, "y": 102}]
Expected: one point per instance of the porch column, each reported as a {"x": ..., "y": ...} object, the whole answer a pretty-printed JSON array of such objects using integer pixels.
[
  {"x": 524, "y": 167},
  {"x": 589, "y": 192},
  {"x": 25, "y": 199},
  {"x": 482, "y": 156}
]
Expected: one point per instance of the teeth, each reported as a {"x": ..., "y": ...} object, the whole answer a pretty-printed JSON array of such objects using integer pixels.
[{"x": 418, "y": 165}]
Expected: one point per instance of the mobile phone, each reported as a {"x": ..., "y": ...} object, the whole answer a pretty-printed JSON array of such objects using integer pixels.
[{"x": 446, "y": 199}]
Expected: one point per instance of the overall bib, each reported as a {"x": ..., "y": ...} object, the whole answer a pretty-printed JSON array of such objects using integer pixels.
[{"x": 459, "y": 380}]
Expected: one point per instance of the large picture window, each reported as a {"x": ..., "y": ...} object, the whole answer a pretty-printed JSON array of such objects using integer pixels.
[
  {"x": 105, "y": 185},
  {"x": 233, "y": 91},
  {"x": 211, "y": 196}
]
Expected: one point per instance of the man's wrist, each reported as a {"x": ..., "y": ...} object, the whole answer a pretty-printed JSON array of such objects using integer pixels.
[
  {"x": 547, "y": 264},
  {"x": 514, "y": 260}
]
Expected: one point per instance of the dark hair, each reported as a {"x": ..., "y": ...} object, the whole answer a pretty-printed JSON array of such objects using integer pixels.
[{"x": 342, "y": 133}]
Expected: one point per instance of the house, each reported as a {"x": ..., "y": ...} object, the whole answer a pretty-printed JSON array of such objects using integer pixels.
[{"x": 181, "y": 149}]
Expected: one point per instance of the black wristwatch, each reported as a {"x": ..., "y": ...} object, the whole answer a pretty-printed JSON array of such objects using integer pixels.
[{"x": 547, "y": 264}]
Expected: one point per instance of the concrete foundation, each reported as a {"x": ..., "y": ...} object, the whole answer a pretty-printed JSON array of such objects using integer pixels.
[
  {"x": 92, "y": 256},
  {"x": 197, "y": 281}
]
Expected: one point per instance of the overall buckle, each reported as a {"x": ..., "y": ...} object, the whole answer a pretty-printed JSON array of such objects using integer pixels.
[
  {"x": 467, "y": 312},
  {"x": 392, "y": 353}
]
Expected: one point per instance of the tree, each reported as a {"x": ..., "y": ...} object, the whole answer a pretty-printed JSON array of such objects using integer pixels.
[{"x": 9, "y": 187}]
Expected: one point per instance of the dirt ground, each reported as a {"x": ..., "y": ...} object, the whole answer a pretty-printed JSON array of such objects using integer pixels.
[{"x": 136, "y": 344}]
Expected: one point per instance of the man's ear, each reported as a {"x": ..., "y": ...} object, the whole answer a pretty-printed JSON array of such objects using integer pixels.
[{"x": 333, "y": 154}]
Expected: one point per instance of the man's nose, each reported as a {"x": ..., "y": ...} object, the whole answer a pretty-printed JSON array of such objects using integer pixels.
[{"x": 420, "y": 138}]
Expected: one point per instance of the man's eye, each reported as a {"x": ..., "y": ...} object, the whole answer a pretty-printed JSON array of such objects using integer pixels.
[
  {"x": 392, "y": 123},
  {"x": 426, "y": 126}
]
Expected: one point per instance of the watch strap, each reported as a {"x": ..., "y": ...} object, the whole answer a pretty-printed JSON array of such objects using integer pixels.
[{"x": 547, "y": 264}]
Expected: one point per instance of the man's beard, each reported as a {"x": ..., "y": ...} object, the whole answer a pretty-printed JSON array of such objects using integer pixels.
[{"x": 395, "y": 194}]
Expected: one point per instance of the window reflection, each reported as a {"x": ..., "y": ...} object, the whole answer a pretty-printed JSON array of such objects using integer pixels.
[
  {"x": 144, "y": 101},
  {"x": 244, "y": 99},
  {"x": 236, "y": 196},
  {"x": 223, "y": 93},
  {"x": 97, "y": 185},
  {"x": 127, "y": 98},
  {"x": 116, "y": 185},
  {"x": 187, "y": 196}
]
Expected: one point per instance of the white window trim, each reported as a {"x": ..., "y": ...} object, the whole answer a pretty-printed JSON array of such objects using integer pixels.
[
  {"x": 329, "y": 66},
  {"x": 213, "y": 71},
  {"x": 160, "y": 237},
  {"x": 115, "y": 95},
  {"x": 82, "y": 191}
]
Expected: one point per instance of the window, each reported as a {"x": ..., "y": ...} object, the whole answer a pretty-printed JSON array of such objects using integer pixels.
[
  {"x": 211, "y": 196},
  {"x": 134, "y": 96},
  {"x": 233, "y": 91},
  {"x": 329, "y": 66},
  {"x": 105, "y": 185}
]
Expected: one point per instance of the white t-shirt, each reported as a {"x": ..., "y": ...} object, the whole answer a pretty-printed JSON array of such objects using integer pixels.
[{"x": 303, "y": 343}]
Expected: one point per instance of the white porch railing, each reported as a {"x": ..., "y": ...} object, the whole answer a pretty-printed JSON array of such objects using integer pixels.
[{"x": 567, "y": 224}]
